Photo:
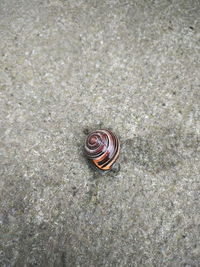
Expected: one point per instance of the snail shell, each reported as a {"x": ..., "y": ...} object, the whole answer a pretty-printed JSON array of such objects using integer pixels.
[{"x": 102, "y": 149}]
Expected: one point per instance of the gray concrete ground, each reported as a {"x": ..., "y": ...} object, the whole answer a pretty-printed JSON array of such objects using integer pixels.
[{"x": 68, "y": 67}]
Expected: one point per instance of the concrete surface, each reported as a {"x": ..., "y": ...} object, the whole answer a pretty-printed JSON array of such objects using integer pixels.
[{"x": 68, "y": 67}]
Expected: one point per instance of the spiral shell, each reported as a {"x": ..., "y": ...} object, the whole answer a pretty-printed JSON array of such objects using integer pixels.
[{"x": 102, "y": 149}]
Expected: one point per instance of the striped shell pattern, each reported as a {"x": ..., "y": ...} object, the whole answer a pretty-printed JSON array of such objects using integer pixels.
[{"x": 102, "y": 149}]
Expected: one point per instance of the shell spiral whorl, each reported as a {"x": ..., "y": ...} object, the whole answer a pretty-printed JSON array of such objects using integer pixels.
[{"x": 102, "y": 149}]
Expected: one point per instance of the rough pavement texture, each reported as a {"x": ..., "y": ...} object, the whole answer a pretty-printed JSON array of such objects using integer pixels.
[{"x": 68, "y": 67}]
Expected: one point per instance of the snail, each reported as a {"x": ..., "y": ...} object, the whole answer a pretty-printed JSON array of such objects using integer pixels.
[{"x": 102, "y": 150}]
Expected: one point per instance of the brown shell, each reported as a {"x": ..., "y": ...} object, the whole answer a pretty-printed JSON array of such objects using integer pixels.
[{"x": 102, "y": 149}]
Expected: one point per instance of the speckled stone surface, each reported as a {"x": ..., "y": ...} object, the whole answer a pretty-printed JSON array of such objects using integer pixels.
[{"x": 68, "y": 67}]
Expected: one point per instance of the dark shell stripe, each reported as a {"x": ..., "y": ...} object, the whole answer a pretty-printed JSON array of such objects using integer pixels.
[
  {"x": 102, "y": 148},
  {"x": 112, "y": 152},
  {"x": 109, "y": 163},
  {"x": 115, "y": 152}
]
